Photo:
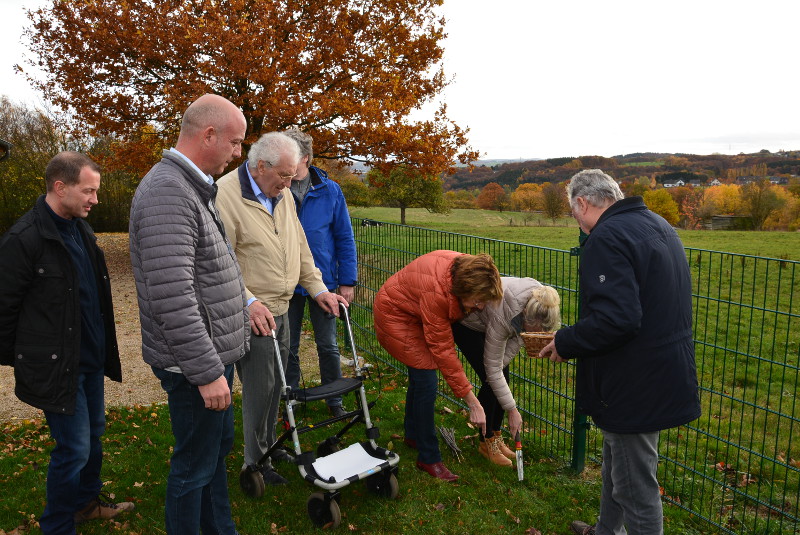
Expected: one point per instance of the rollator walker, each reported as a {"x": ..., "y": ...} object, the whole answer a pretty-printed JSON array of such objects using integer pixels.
[{"x": 331, "y": 467}]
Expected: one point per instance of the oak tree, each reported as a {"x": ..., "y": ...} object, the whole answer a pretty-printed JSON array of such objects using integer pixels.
[
  {"x": 406, "y": 187},
  {"x": 350, "y": 72},
  {"x": 492, "y": 197}
]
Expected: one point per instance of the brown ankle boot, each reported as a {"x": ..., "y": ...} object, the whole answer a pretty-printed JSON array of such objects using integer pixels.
[
  {"x": 505, "y": 450},
  {"x": 490, "y": 449}
]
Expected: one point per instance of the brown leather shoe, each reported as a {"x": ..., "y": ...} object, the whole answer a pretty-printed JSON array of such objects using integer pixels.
[
  {"x": 582, "y": 528},
  {"x": 103, "y": 510},
  {"x": 437, "y": 470}
]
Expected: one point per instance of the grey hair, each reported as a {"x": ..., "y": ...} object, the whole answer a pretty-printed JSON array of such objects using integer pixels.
[
  {"x": 595, "y": 186},
  {"x": 305, "y": 142},
  {"x": 270, "y": 147}
]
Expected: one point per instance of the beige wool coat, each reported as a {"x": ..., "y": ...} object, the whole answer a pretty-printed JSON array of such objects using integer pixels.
[{"x": 272, "y": 249}]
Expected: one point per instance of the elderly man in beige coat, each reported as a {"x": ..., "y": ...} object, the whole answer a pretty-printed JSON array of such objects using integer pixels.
[
  {"x": 490, "y": 339},
  {"x": 262, "y": 226}
]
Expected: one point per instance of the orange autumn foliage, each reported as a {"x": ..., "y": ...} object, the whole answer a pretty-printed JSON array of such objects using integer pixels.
[{"x": 348, "y": 72}]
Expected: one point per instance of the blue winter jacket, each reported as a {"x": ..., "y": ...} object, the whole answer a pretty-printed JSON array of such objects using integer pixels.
[
  {"x": 326, "y": 222},
  {"x": 633, "y": 341}
]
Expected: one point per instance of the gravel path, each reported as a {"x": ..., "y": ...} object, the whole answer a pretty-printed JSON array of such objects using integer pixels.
[{"x": 139, "y": 385}]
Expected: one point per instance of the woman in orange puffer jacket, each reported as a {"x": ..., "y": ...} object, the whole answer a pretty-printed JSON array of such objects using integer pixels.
[{"x": 414, "y": 312}]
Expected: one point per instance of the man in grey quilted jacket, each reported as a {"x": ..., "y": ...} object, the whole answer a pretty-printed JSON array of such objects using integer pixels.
[{"x": 192, "y": 307}]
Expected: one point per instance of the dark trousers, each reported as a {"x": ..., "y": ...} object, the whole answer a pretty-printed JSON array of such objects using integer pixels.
[
  {"x": 420, "y": 407},
  {"x": 471, "y": 345},
  {"x": 197, "y": 485},
  {"x": 73, "y": 477}
]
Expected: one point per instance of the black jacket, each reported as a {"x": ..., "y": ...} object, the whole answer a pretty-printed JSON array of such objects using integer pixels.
[
  {"x": 40, "y": 320},
  {"x": 636, "y": 368}
]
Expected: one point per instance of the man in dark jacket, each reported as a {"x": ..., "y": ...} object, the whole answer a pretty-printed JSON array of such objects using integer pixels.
[
  {"x": 57, "y": 331},
  {"x": 323, "y": 214},
  {"x": 636, "y": 370}
]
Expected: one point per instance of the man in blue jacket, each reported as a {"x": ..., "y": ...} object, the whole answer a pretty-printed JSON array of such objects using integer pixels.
[
  {"x": 323, "y": 214},
  {"x": 57, "y": 331},
  {"x": 633, "y": 340}
]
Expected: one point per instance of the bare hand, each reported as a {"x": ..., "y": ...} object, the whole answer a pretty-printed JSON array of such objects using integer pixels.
[
  {"x": 261, "y": 320},
  {"x": 348, "y": 292},
  {"x": 549, "y": 352},
  {"x": 329, "y": 302},
  {"x": 216, "y": 394},
  {"x": 514, "y": 422},
  {"x": 476, "y": 414}
]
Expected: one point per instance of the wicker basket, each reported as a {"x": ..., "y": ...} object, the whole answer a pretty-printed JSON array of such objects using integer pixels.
[{"x": 535, "y": 342}]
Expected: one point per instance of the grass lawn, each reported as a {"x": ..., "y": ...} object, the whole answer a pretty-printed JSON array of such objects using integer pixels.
[
  {"x": 486, "y": 498},
  {"x": 535, "y": 229}
]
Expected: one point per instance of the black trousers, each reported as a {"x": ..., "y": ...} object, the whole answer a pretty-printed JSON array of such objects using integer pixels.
[{"x": 471, "y": 345}]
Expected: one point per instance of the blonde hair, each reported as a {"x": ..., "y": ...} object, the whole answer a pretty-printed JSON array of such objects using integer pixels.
[
  {"x": 476, "y": 276},
  {"x": 544, "y": 306}
]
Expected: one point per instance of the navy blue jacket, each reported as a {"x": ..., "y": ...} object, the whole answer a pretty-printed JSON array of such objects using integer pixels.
[
  {"x": 633, "y": 341},
  {"x": 40, "y": 319},
  {"x": 326, "y": 222}
]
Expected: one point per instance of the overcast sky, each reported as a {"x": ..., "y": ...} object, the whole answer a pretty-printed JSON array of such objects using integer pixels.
[{"x": 543, "y": 79}]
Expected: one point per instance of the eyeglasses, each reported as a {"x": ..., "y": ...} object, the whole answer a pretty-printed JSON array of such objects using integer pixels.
[{"x": 287, "y": 177}]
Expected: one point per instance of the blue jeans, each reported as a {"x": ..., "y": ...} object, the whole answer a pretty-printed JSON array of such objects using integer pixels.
[
  {"x": 197, "y": 485},
  {"x": 73, "y": 477},
  {"x": 630, "y": 495},
  {"x": 330, "y": 367},
  {"x": 420, "y": 407}
]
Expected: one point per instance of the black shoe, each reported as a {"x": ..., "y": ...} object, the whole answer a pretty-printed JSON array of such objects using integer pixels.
[
  {"x": 282, "y": 456},
  {"x": 582, "y": 528},
  {"x": 271, "y": 477},
  {"x": 337, "y": 410}
]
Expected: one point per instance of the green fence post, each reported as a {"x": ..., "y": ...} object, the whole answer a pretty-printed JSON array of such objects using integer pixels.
[{"x": 579, "y": 423}]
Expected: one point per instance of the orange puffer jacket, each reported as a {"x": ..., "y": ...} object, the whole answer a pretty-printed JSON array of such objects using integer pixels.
[{"x": 414, "y": 311}]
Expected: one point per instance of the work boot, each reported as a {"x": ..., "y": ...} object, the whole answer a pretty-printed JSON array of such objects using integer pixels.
[
  {"x": 98, "y": 508},
  {"x": 505, "y": 450},
  {"x": 490, "y": 449}
]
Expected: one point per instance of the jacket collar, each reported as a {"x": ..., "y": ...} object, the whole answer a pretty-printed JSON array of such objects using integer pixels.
[
  {"x": 317, "y": 175},
  {"x": 628, "y": 204},
  {"x": 244, "y": 183},
  {"x": 203, "y": 188}
]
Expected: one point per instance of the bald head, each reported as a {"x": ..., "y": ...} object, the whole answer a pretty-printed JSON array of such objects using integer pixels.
[{"x": 212, "y": 132}]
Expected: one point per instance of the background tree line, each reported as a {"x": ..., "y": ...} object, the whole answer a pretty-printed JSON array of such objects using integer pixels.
[{"x": 38, "y": 134}]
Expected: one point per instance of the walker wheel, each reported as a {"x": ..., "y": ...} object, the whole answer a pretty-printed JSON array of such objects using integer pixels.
[
  {"x": 323, "y": 515},
  {"x": 252, "y": 482},
  {"x": 383, "y": 485}
]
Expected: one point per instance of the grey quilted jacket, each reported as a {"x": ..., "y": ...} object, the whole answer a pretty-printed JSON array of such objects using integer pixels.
[{"x": 192, "y": 301}]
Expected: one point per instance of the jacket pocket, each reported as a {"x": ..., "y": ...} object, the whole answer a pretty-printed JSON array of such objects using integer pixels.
[{"x": 41, "y": 372}]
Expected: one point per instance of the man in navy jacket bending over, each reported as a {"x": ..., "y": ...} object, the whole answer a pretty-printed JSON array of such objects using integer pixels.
[{"x": 633, "y": 340}]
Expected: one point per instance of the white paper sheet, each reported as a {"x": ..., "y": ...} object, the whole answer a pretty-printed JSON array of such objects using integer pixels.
[{"x": 346, "y": 463}]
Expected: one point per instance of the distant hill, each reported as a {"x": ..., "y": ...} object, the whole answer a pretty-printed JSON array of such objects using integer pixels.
[
  {"x": 653, "y": 166},
  {"x": 492, "y": 163}
]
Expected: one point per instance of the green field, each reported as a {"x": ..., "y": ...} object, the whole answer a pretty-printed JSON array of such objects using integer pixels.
[{"x": 535, "y": 229}]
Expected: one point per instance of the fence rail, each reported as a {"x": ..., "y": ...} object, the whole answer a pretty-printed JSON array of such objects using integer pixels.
[{"x": 736, "y": 468}]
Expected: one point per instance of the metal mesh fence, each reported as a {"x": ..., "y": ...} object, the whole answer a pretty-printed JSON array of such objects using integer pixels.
[{"x": 737, "y": 468}]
